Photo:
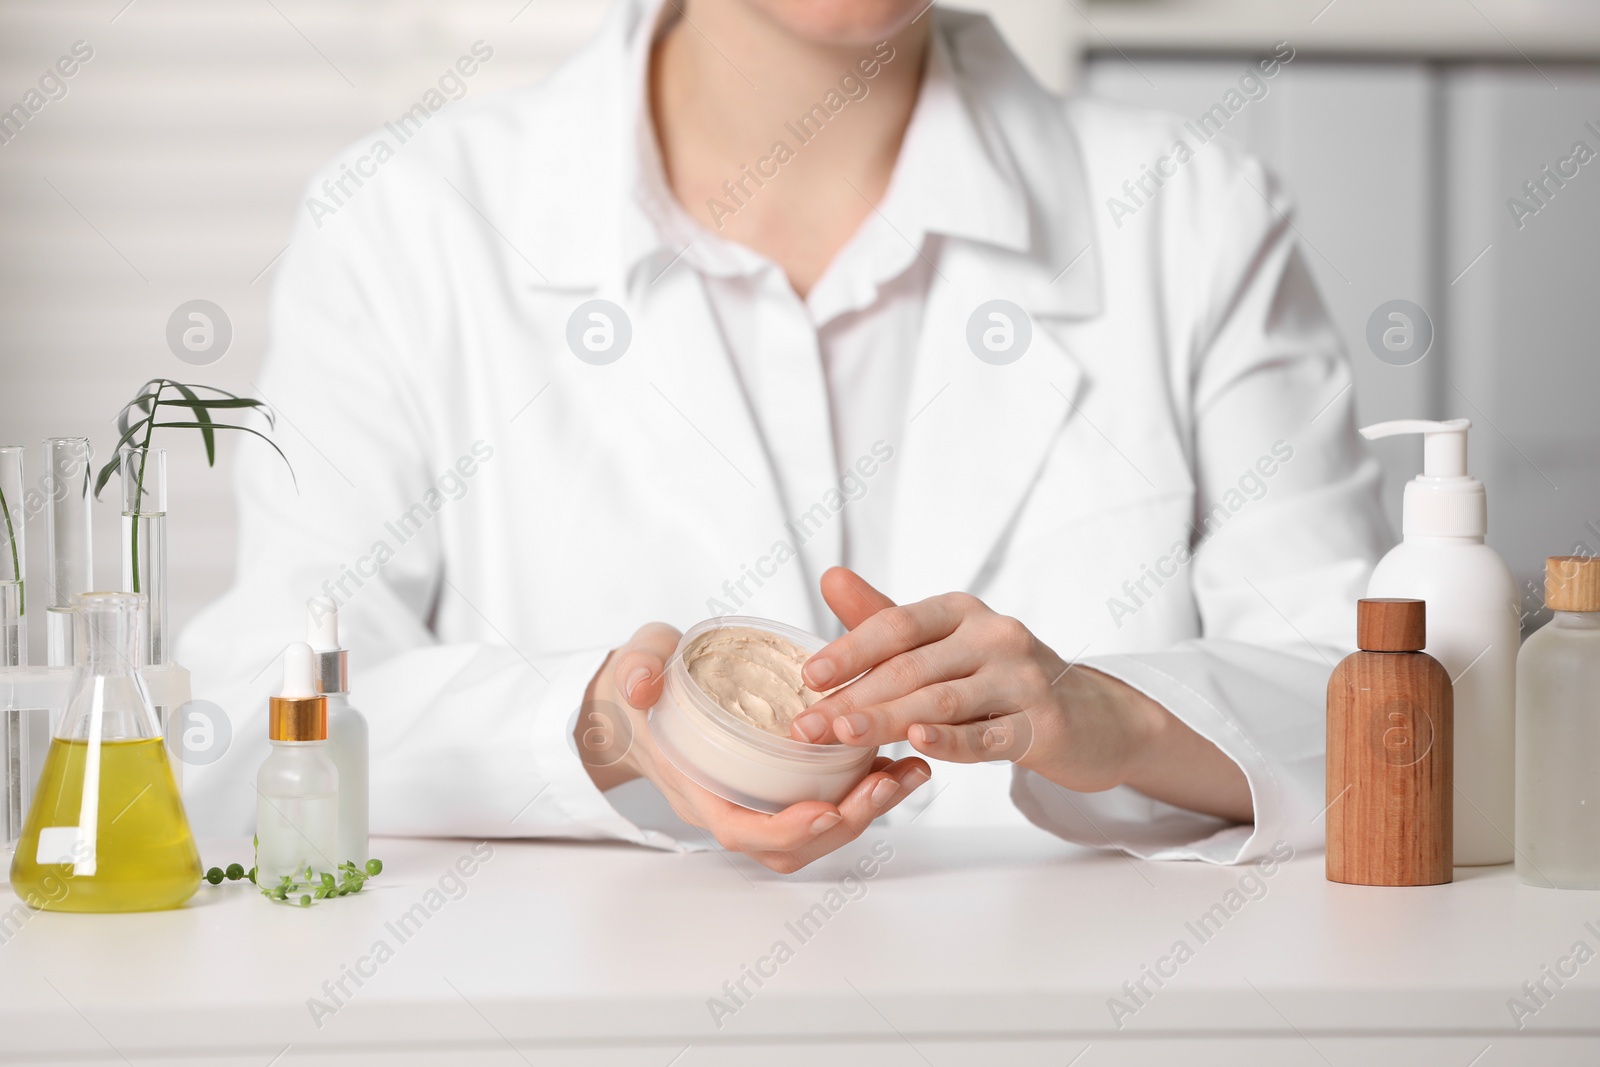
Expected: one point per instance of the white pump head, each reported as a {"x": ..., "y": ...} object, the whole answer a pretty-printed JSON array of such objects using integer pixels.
[
  {"x": 1444, "y": 500},
  {"x": 322, "y": 623},
  {"x": 297, "y": 672}
]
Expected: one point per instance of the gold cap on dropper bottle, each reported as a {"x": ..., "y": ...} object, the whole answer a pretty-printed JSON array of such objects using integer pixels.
[{"x": 299, "y": 713}]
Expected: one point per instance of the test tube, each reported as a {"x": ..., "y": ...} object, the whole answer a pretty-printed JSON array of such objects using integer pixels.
[
  {"x": 13, "y": 641},
  {"x": 144, "y": 555},
  {"x": 13, "y": 561},
  {"x": 68, "y": 532},
  {"x": 144, "y": 541}
]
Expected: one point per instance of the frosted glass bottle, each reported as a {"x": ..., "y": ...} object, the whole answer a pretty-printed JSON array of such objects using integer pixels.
[
  {"x": 297, "y": 788},
  {"x": 347, "y": 727},
  {"x": 1558, "y": 734},
  {"x": 347, "y": 749}
]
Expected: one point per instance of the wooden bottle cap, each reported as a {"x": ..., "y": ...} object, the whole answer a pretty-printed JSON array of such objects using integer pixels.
[
  {"x": 1572, "y": 583},
  {"x": 1391, "y": 625}
]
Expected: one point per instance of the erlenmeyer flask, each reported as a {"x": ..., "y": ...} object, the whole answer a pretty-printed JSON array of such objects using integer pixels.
[{"x": 107, "y": 830}]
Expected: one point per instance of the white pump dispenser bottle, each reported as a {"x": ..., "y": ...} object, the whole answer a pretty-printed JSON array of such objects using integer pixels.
[
  {"x": 1474, "y": 628},
  {"x": 347, "y": 727}
]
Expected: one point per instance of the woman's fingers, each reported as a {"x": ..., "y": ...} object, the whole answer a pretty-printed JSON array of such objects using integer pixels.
[
  {"x": 1003, "y": 737},
  {"x": 739, "y": 829},
  {"x": 742, "y": 830},
  {"x": 850, "y": 597},
  {"x": 973, "y": 699},
  {"x": 874, "y": 795},
  {"x": 642, "y": 666},
  {"x": 898, "y": 677},
  {"x": 879, "y": 792},
  {"x": 812, "y": 824},
  {"x": 889, "y": 632},
  {"x": 794, "y": 837}
]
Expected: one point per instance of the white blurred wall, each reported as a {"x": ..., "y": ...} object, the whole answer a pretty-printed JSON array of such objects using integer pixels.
[{"x": 171, "y": 171}]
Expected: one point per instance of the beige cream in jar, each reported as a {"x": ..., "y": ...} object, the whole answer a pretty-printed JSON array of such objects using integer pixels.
[{"x": 732, "y": 688}]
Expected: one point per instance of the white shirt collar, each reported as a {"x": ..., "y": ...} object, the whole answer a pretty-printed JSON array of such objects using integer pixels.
[{"x": 950, "y": 180}]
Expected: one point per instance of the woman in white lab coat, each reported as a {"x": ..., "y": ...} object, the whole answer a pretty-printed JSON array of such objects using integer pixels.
[{"x": 747, "y": 291}]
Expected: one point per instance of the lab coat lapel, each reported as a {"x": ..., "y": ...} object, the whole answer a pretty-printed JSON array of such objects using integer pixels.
[
  {"x": 692, "y": 404},
  {"x": 979, "y": 427},
  {"x": 978, "y": 431}
]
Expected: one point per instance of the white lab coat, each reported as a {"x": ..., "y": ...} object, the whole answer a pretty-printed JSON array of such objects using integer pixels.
[{"x": 529, "y": 509}]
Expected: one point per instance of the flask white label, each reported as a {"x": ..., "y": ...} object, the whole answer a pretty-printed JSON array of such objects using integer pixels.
[{"x": 62, "y": 844}]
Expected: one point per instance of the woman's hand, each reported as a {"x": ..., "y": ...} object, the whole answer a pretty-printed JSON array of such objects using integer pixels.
[
  {"x": 967, "y": 685},
  {"x": 630, "y": 682}
]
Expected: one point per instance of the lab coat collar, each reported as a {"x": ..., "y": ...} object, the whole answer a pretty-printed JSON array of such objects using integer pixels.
[
  {"x": 1055, "y": 270},
  {"x": 954, "y": 171},
  {"x": 953, "y": 179},
  {"x": 1004, "y": 173},
  {"x": 653, "y": 228}
]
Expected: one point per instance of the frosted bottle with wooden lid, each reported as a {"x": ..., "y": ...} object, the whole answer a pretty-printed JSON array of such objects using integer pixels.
[
  {"x": 1390, "y": 754},
  {"x": 1558, "y": 733}
]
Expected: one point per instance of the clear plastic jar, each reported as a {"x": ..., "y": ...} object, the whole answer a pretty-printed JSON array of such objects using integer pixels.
[{"x": 740, "y": 762}]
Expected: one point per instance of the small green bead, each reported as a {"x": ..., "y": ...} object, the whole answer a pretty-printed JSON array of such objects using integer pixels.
[
  {"x": 305, "y": 901},
  {"x": 251, "y": 875},
  {"x": 328, "y": 880},
  {"x": 374, "y": 867},
  {"x": 235, "y": 872},
  {"x": 214, "y": 876}
]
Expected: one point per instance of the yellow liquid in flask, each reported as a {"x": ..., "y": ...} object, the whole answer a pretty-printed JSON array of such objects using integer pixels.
[{"x": 145, "y": 856}]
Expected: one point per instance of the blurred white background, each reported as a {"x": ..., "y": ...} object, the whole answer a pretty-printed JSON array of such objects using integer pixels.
[{"x": 171, "y": 169}]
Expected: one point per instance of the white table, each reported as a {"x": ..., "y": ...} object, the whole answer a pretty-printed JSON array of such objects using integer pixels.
[{"x": 964, "y": 948}]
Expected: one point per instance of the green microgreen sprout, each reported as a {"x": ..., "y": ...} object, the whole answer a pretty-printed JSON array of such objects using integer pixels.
[{"x": 307, "y": 886}]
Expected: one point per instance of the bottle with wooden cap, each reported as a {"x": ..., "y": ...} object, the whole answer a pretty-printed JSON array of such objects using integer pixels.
[
  {"x": 1390, "y": 753},
  {"x": 1558, "y": 733},
  {"x": 297, "y": 788}
]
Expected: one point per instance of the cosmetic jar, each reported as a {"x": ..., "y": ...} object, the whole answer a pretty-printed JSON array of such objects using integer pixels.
[{"x": 736, "y": 760}]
